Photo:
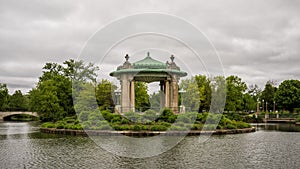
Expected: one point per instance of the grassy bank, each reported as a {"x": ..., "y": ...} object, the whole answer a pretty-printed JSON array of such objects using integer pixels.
[{"x": 148, "y": 121}]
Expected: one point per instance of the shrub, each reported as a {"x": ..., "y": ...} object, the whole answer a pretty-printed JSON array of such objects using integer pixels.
[
  {"x": 197, "y": 127},
  {"x": 298, "y": 119},
  {"x": 168, "y": 116},
  {"x": 133, "y": 117},
  {"x": 125, "y": 121},
  {"x": 107, "y": 115},
  {"x": 48, "y": 125},
  {"x": 183, "y": 118},
  {"x": 84, "y": 115},
  {"x": 231, "y": 126},
  {"x": 158, "y": 128},
  {"x": 60, "y": 125},
  {"x": 177, "y": 128},
  {"x": 150, "y": 115},
  {"x": 137, "y": 128}
]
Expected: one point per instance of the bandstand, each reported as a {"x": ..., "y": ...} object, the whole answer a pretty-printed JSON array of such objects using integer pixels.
[{"x": 149, "y": 70}]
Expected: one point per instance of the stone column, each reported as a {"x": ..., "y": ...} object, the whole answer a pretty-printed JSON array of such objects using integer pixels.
[
  {"x": 174, "y": 94},
  {"x": 125, "y": 97},
  {"x": 132, "y": 96},
  {"x": 162, "y": 95},
  {"x": 167, "y": 94}
]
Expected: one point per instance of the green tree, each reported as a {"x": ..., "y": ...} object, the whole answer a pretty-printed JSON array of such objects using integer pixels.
[
  {"x": 218, "y": 96},
  {"x": 104, "y": 94},
  {"x": 191, "y": 97},
  {"x": 288, "y": 95},
  {"x": 44, "y": 100},
  {"x": 142, "y": 99},
  {"x": 55, "y": 89},
  {"x": 4, "y": 96},
  {"x": 235, "y": 88},
  {"x": 268, "y": 94},
  {"x": 204, "y": 91},
  {"x": 18, "y": 102},
  {"x": 155, "y": 101}
]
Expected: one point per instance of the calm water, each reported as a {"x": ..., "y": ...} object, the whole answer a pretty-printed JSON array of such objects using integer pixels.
[{"x": 272, "y": 146}]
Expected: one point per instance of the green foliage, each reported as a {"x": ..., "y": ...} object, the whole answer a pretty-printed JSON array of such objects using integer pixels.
[
  {"x": 104, "y": 94},
  {"x": 142, "y": 99},
  {"x": 52, "y": 98},
  {"x": 4, "y": 96},
  {"x": 288, "y": 95},
  {"x": 150, "y": 115},
  {"x": 167, "y": 116},
  {"x": 158, "y": 128},
  {"x": 18, "y": 102},
  {"x": 191, "y": 97},
  {"x": 268, "y": 95},
  {"x": 205, "y": 92},
  {"x": 235, "y": 88}
]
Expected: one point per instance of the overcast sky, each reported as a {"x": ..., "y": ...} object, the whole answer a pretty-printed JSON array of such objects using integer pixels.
[{"x": 256, "y": 40}]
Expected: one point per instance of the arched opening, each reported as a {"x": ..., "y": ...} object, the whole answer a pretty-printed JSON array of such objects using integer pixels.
[{"x": 20, "y": 117}]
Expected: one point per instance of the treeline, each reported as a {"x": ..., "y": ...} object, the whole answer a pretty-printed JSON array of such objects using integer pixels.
[
  {"x": 53, "y": 97},
  {"x": 240, "y": 97},
  {"x": 15, "y": 102}
]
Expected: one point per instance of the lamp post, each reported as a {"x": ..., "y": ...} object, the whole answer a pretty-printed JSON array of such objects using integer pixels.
[
  {"x": 117, "y": 95},
  {"x": 182, "y": 108},
  {"x": 263, "y": 103},
  {"x": 274, "y": 105},
  {"x": 118, "y": 101},
  {"x": 257, "y": 108}
]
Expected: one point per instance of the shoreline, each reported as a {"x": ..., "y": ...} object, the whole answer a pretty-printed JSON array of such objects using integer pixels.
[{"x": 144, "y": 133}]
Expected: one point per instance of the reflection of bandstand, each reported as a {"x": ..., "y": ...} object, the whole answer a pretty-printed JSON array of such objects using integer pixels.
[{"x": 149, "y": 70}]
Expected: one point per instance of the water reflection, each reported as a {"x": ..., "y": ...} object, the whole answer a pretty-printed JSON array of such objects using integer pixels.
[
  {"x": 23, "y": 146},
  {"x": 286, "y": 127}
]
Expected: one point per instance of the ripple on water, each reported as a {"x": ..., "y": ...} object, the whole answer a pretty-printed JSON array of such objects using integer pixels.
[{"x": 252, "y": 150}]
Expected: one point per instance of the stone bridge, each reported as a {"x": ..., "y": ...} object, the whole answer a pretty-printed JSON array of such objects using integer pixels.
[{"x": 5, "y": 114}]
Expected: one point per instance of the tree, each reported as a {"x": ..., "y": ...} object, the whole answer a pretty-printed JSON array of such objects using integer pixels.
[
  {"x": 268, "y": 94},
  {"x": 104, "y": 94},
  {"x": 155, "y": 101},
  {"x": 234, "y": 93},
  {"x": 44, "y": 100},
  {"x": 4, "y": 96},
  {"x": 191, "y": 97},
  {"x": 287, "y": 95},
  {"x": 54, "y": 89},
  {"x": 18, "y": 102},
  {"x": 204, "y": 91},
  {"x": 142, "y": 99}
]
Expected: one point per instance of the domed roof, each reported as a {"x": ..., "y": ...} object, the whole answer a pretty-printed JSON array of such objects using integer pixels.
[{"x": 149, "y": 63}]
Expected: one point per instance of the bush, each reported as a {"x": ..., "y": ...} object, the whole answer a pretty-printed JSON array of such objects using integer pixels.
[
  {"x": 48, "y": 125},
  {"x": 158, "y": 128},
  {"x": 125, "y": 121},
  {"x": 167, "y": 116},
  {"x": 177, "y": 128},
  {"x": 183, "y": 118},
  {"x": 197, "y": 127},
  {"x": 107, "y": 115},
  {"x": 231, "y": 126},
  {"x": 133, "y": 117},
  {"x": 150, "y": 115},
  {"x": 298, "y": 119},
  {"x": 137, "y": 128}
]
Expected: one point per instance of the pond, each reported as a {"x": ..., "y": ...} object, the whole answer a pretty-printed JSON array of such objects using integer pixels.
[{"x": 272, "y": 146}]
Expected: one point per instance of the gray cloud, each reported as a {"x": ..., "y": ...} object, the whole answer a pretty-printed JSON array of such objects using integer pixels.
[{"x": 257, "y": 40}]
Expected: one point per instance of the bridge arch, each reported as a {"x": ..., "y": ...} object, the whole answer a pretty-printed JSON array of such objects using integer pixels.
[{"x": 6, "y": 114}]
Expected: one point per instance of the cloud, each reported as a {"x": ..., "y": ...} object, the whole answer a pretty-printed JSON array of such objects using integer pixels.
[{"x": 257, "y": 40}]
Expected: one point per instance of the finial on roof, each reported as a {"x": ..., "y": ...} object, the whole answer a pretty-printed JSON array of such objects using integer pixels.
[
  {"x": 172, "y": 58},
  {"x": 148, "y": 54},
  {"x": 126, "y": 57}
]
